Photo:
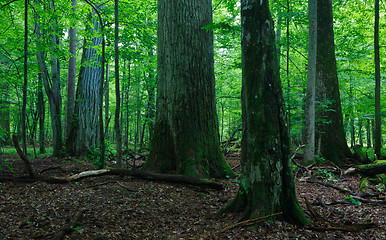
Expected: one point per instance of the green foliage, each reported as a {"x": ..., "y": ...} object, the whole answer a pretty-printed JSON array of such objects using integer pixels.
[
  {"x": 353, "y": 200},
  {"x": 325, "y": 175}
]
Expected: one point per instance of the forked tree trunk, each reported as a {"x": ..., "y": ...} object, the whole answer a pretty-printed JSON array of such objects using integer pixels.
[
  {"x": 52, "y": 89},
  {"x": 186, "y": 137},
  {"x": 333, "y": 140},
  {"x": 266, "y": 184}
]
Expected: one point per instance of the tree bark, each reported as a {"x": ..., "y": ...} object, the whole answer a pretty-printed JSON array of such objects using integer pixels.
[
  {"x": 309, "y": 150},
  {"x": 41, "y": 114},
  {"x": 24, "y": 106},
  {"x": 117, "y": 126},
  {"x": 52, "y": 89},
  {"x": 71, "y": 74},
  {"x": 86, "y": 127},
  {"x": 333, "y": 140},
  {"x": 186, "y": 135},
  {"x": 266, "y": 184},
  {"x": 378, "y": 120}
]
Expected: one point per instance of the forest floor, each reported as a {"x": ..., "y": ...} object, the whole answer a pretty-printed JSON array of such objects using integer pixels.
[{"x": 117, "y": 207}]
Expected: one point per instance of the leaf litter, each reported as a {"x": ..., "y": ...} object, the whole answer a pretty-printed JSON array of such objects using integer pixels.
[{"x": 115, "y": 207}]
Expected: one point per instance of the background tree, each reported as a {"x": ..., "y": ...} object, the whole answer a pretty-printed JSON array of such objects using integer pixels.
[
  {"x": 186, "y": 138},
  {"x": 71, "y": 72},
  {"x": 333, "y": 145},
  {"x": 378, "y": 120},
  {"x": 309, "y": 149},
  {"x": 266, "y": 184}
]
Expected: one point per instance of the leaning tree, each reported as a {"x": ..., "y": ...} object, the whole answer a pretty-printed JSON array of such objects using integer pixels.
[
  {"x": 266, "y": 183},
  {"x": 186, "y": 137}
]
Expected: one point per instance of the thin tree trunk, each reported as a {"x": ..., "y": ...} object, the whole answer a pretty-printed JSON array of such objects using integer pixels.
[
  {"x": 309, "y": 150},
  {"x": 107, "y": 100},
  {"x": 368, "y": 133},
  {"x": 41, "y": 113},
  {"x": 360, "y": 132},
  {"x": 117, "y": 126},
  {"x": 71, "y": 74},
  {"x": 52, "y": 89},
  {"x": 378, "y": 120},
  {"x": 24, "y": 106}
]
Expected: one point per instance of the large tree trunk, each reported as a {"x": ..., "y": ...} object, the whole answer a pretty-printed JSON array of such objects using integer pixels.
[
  {"x": 86, "y": 129},
  {"x": 333, "y": 140},
  {"x": 378, "y": 120},
  {"x": 309, "y": 150},
  {"x": 266, "y": 184},
  {"x": 186, "y": 137}
]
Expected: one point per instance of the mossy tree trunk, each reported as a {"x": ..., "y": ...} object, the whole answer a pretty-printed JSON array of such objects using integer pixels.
[
  {"x": 186, "y": 137},
  {"x": 333, "y": 139},
  {"x": 266, "y": 184}
]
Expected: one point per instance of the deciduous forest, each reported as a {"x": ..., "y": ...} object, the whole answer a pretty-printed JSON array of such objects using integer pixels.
[{"x": 192, "y": 119}]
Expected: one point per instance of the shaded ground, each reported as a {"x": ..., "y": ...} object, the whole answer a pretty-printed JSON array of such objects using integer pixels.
[{"x": 127, "y": 208}]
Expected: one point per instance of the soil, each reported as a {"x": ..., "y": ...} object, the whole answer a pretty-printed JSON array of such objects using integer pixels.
[{"x": 116, "y": 207}]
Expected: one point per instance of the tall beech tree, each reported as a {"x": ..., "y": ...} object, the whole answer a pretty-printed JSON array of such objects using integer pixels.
[
  {"x": 186, "y": 136},
  {"x": 266, "y": 183},
  {"x": 309, "y": 150},
  {"x": 333, "y": 144}
]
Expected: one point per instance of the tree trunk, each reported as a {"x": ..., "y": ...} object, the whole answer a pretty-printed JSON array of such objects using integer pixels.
[
  {"x": 4, "y": 114},
  {"x": 52, "y": 89},
  {"x": 24, "y": 106},
  {"x": 266, "y": 184},
  {"x": 333, "y": 140},
  {"x": 107, "y": 100},
  {"x": 89, "y": 82},
  {"x": 378, "y": 120},
  {"x": 186, "y": 135},
  {"x": 117, "y": 126},
  {"x": 309, "y": 150},
  {"x": 71, "y": 74},
  {"x": 41, "y": 113},
  {"x": 368, "y": 133}
]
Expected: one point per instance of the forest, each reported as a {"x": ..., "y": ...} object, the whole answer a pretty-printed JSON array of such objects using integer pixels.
[{"x": 192, "y": 119}]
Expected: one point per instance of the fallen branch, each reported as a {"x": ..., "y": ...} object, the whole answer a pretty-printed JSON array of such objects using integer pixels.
[
  {"x": 249, "y": 222},
  {"x": 182, "y": 179},
  {"x": 333, "y": 186},
  {"x": 368, "y": 169}
]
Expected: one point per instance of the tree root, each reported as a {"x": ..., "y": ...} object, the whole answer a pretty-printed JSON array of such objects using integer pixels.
[
  {"x": 249, "y": 222},
  {"x": 325, "y": 225}
]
